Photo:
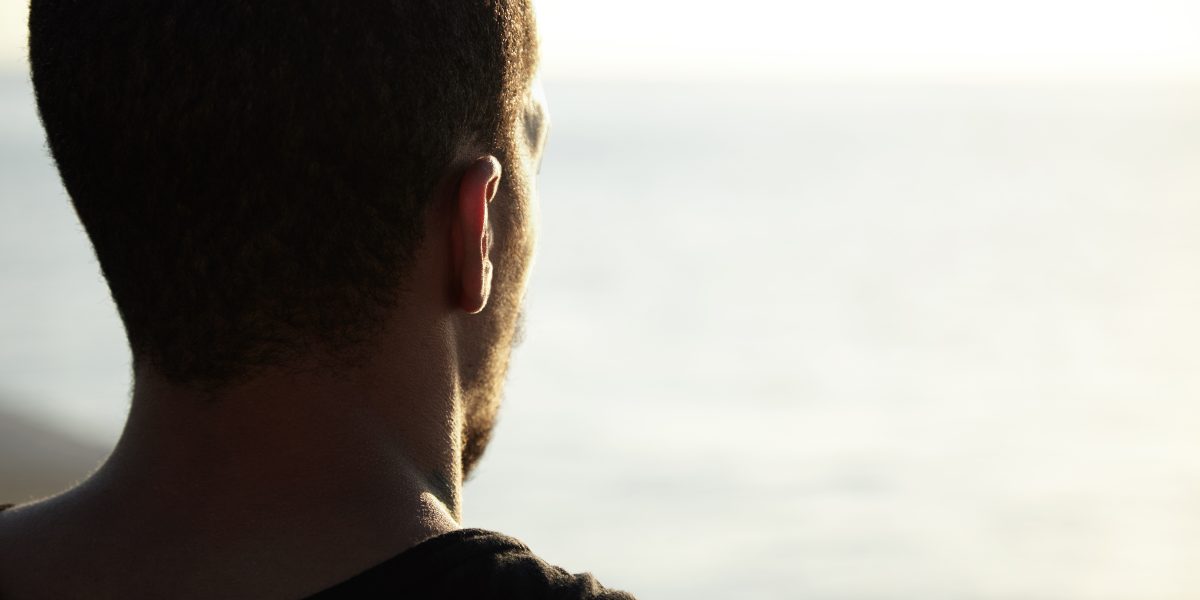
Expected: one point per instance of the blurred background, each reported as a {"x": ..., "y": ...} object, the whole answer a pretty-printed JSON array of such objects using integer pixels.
[{"x": 834, "y": 300}]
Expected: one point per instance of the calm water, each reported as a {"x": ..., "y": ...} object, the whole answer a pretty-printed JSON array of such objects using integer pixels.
[{"x": 835, "y": 342}]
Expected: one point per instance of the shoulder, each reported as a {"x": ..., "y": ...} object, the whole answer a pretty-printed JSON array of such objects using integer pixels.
[
  {"x": 14, "y": 533},
  {"x": 512, "y": 570},
  {"x": 36, "y": 540},
  {"x": 472, "y": 563},
  {"x": 18, "y": 545}
]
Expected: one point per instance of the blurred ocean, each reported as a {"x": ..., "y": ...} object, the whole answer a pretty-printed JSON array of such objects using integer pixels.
[{"x": 840, "y": 341}]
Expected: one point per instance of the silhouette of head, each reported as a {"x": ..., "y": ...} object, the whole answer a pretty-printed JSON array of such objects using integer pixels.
[{"x": 256, "y": 178}]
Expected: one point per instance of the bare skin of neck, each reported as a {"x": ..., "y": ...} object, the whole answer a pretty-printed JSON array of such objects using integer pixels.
[{"x": 278, "y": 487}]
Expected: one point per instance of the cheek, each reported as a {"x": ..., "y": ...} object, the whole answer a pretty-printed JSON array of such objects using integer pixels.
[
  {"x": 534, "y": 220},
  {"x": 526, "y": 215},
  {"x": 516, "y": 227},
  {"x": 521, "y": 254}
]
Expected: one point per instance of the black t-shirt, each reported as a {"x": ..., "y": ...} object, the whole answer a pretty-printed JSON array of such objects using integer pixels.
[
  {"x": 467, "y": 563},
  {"x": 470, "y": 563}
]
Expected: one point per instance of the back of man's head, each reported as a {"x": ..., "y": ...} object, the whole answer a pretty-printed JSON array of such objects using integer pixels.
[{"x": 254, "y": 175}]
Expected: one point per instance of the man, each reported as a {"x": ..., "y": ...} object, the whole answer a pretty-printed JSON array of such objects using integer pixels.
[{"x": 316, "y": 220}]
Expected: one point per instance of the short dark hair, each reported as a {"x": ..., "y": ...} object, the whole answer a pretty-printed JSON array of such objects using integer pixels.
[{"x": 254, "y": 176}]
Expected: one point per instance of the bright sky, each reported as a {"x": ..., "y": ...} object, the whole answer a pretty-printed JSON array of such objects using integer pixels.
[{"x": 820, "y": 38}]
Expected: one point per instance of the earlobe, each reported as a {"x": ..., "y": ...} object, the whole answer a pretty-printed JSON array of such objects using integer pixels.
[{"x": 471, "y": 234}]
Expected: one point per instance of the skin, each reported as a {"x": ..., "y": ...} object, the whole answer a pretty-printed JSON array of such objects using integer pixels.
[{"x": 302, "y": 477}]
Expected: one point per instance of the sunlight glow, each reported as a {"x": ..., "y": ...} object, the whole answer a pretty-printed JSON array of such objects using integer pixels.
[
  {"x": 701, "y": 39},
  {"x": 1021, "y": 38}
]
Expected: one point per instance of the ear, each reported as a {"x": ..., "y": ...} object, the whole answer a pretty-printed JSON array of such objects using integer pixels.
[{"x": 471, "y": 235}]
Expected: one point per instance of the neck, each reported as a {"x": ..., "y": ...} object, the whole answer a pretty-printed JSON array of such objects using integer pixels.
[{"x": 370, "y": 457}]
